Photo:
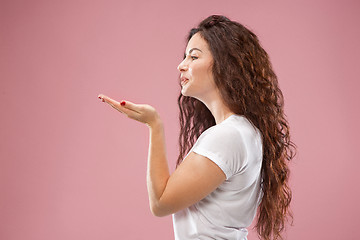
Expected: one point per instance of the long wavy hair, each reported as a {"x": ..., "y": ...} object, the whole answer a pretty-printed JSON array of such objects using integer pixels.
[{"x": 248, "y": 85}]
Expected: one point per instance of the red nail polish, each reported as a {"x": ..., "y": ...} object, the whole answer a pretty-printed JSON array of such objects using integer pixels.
[
  {"x": 102, "y": 100},
  {"x": 122, "y": 103}
]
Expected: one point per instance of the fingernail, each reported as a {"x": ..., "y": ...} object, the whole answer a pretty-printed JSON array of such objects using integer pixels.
[
  {"x": 122, "y": 103},
  {"x": 102, "y": 100}
]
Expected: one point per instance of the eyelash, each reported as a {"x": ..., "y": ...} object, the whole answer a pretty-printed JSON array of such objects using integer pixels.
[{"x": 193, "y": 57}]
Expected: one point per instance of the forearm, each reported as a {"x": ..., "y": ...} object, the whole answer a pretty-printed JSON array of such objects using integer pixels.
[{"x": 157, "y": 170}]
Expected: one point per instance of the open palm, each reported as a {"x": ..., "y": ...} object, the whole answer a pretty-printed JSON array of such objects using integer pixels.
[{"x": 140, "y": 112}]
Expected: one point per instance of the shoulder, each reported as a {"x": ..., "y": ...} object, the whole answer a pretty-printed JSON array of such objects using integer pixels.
[
  {"x": 224, "y": 145},
  {"x": 225, "y": 130},
  {"x": 236, "y": 134},
  {"x": 235, "y": 127},
  {"x": 220, "y": 135},
  {"x": 227, "y": 135}
]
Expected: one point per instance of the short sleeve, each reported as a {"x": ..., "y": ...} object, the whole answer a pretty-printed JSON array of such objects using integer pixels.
[{"x": 224, "y": 146}]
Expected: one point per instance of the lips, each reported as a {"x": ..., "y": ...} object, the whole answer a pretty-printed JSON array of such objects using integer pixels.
[{"x": 184, "y": 80}]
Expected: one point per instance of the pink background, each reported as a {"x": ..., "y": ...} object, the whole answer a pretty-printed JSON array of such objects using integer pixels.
[{"x": 74, "y": 168}]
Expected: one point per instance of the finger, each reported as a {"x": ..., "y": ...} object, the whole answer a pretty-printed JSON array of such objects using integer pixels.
[
  {"x": 108, "y": 100},
  {"x": 131, "y": 106},
  {"x": 130, "y": 109},
  {"x": 120, "y": 106},
  {"x": 113, "y": 103}
]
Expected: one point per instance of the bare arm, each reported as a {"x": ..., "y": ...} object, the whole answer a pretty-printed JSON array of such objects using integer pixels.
[
  {"x": 157, "y": 168},
  {"x": 194, "y": 178}
]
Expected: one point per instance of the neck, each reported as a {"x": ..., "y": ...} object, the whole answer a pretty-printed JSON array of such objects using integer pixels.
[{"x": 217, "y": 108}]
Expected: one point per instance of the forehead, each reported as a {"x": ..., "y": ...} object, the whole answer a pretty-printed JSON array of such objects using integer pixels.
[{"x": 197, "y": 41}]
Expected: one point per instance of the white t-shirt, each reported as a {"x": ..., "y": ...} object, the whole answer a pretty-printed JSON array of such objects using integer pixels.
[{"x": 235, "y": 145}]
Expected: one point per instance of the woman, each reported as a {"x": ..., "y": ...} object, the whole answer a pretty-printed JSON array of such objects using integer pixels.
[{"x": 234, "y": 134}]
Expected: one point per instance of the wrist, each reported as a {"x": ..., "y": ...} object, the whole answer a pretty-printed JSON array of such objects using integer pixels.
[{"x": 155, "y": 124}]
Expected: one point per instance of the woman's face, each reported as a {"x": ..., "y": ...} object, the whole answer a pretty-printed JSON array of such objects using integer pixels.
[{"x": 196, "y": 69}]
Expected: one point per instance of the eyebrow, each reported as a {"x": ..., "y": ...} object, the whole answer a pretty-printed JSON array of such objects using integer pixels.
[{"x": 193, "y": 50}]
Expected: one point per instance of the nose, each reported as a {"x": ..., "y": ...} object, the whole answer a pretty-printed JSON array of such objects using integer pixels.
[{"x": 182, "y": 66}]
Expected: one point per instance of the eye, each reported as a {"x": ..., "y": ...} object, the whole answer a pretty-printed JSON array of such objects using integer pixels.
[{"x": 193, "y": 57}]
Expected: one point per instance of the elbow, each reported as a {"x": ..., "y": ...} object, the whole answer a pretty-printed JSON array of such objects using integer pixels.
[
  {"x": 158, "y": 210},
  {"x": 157, "y": 213}
]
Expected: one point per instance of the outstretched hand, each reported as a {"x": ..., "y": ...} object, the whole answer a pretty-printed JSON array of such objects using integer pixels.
[{"x": 140, "y": 112}]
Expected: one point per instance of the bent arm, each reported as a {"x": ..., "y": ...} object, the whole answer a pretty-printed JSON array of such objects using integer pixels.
[
  {"x": 193, "y": 179},
  {"x": 157, "y": 169}
]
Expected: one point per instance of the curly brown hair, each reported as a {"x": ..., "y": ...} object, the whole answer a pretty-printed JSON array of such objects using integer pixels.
[{"x": 243, "y": 73}]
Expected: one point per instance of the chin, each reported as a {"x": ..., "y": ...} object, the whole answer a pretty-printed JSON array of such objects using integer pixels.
[
  {"x": 184, "y": 92},
  {"x": 188, "y": 91}
]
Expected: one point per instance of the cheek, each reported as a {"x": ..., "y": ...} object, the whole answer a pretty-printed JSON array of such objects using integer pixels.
[
  {"x": 197, "y": 72},
  {"x": 200, "y": 71}
]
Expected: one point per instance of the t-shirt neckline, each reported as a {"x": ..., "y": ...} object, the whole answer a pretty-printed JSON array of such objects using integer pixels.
[{"x": 228, "y": 118}]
